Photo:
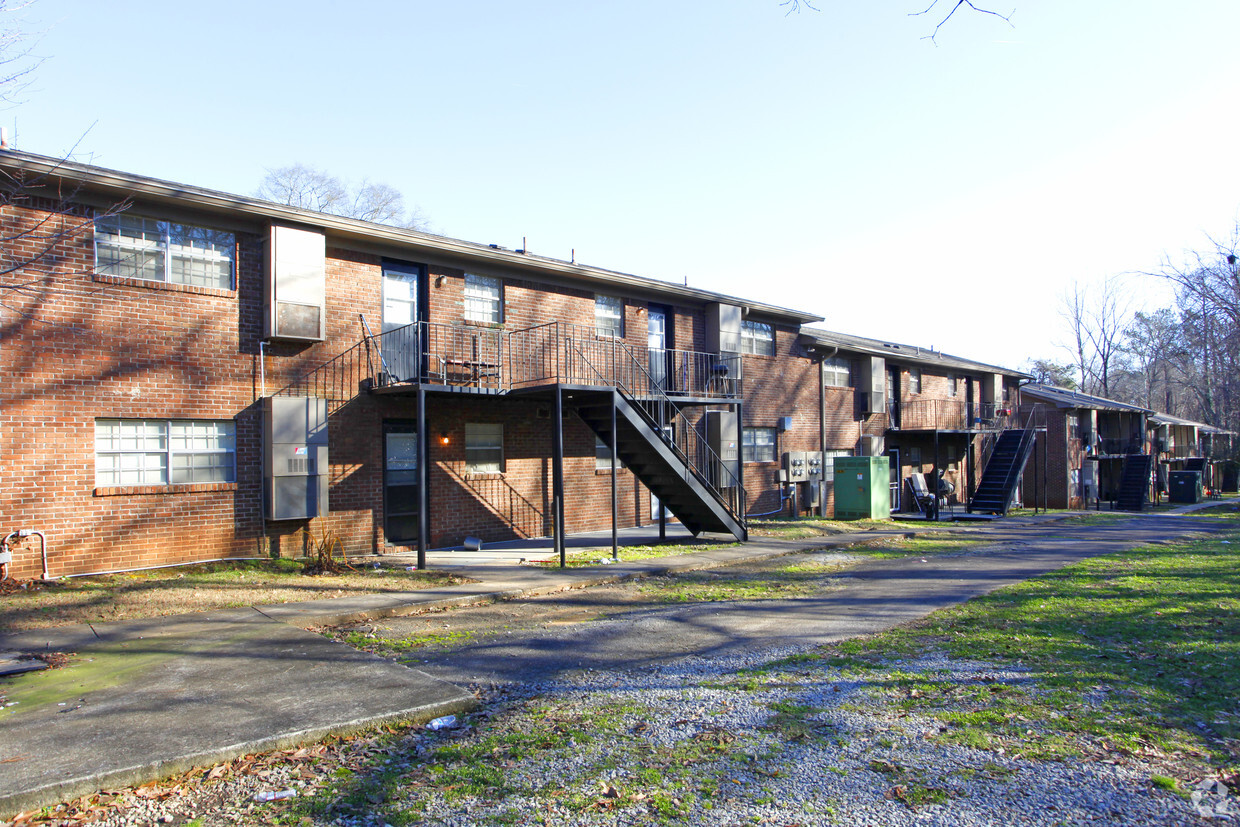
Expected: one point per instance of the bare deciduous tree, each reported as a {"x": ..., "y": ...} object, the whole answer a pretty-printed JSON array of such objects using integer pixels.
[
  {"x": 302, "y": 186},
  {"x": 1097, "y": 318},
  {"x": 795, "y": 6}
]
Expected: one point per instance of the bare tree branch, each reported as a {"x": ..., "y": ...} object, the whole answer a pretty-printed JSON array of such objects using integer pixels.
[
  {"x": 1006, "y": 18},
  {"x": 313, "y": 189}
]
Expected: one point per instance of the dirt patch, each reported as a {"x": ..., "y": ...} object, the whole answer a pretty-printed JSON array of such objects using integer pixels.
[{"x": 196, "y": 588}]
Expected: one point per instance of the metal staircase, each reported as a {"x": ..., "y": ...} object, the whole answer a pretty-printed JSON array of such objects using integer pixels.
[
  {"x": 1007, "y": 462},
  {"x": 1134, "y": 484},
  {"x": 656, "y": 440},
  {"x": 658, "y": 461}
]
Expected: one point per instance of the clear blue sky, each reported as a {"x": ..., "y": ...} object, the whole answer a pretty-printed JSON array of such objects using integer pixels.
[{"x": 832, "y": 161}]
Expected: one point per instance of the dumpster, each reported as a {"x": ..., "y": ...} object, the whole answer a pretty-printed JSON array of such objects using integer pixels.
[{"x": 1185, "y": 486}]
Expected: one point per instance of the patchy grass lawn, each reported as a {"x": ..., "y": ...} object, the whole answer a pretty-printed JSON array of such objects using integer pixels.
[
  {"x": 802, "y": 528},
  {"x": 1136, "y": 653},
  {"x": 602, "y": 556},
  {"x": 194, "y": 588}
]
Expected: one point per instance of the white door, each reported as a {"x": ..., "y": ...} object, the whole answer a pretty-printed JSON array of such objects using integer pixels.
[
  {"x": 400, "y": 309},
  {"x": 657, "y": 343}
]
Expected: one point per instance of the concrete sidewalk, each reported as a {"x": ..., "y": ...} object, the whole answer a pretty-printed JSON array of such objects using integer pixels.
[{"x": 148, "y": 699}]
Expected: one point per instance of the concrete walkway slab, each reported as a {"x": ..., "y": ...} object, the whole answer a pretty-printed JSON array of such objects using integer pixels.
[{"x": 140, "y": 701}]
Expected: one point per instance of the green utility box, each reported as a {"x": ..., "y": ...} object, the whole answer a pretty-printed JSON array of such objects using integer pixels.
[
  {"x": 862, "y": 488},
  {"x": 1185, "y": 486}
]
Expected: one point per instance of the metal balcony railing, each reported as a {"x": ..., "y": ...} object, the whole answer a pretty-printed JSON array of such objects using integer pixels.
[
  {"x": 946, "y": 415},
  {"x": 496, "y": 361}
]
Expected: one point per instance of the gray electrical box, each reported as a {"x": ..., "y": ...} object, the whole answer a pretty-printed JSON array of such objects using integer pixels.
[
  {"x": 795, "y": 467},
  {"x": 295, "y": 464},
  {"x": 723, "y": 328},
  {"x": 723, "y": 436}
]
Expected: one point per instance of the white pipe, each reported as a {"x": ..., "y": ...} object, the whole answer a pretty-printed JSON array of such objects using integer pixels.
[
  {"x": 262, "y": 367},
  {"x": 26, "y": 532}
]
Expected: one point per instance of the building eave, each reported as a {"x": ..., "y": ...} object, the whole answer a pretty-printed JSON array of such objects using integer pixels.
[{"x": 125, "y": 186}]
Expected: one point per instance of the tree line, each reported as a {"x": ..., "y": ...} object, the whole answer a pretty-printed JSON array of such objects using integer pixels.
[{"x": 1181, "y": 359}]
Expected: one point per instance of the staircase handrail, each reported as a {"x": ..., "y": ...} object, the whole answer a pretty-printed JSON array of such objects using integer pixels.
[{"x": 664, "y": 402}]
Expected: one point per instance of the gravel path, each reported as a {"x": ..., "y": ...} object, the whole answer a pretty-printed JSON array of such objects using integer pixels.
[{"x": 700, "y": 742}]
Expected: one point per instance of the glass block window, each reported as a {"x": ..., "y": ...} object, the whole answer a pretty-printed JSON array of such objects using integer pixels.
[
  {"x": 609, "y": 316},
  {"x": 160, "y": 452},
  {"x": 837, "y": 372},
  {"x": 757, "y": 337},
  {"x": 483, "y": 299},
  {"x": 153, "y": 250},
  {"x": 484, "y": 448},
  {"x": 757, "y": 445}
]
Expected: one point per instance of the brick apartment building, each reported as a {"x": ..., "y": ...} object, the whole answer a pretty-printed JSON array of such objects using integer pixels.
[
  {"x": 194, "y": 375},
  {"x": 1088, "y": 439}
]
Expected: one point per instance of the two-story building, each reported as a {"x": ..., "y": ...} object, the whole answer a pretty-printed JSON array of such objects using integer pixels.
[
  {"x": 1090, "y": 442},
  {"x": 195, "y": 375}
]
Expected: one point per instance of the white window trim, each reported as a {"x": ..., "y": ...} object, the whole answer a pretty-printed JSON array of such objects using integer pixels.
[
  {"x": 750, "y": 445},
  {"x": 757, "y": 338},
  {"x": 110, "y": 234},
  {"x": 484, "y": 299},
  {"x": 159, "y": 459},
  {"x": 835, "y": 368},
  {"x": 609, "y": 316},
  {"x": 484, "y": 436}
]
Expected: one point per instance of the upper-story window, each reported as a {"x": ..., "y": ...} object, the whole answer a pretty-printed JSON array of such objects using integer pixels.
[
  {"x": 609, "y": 316},
  {"x": 483, "y": 299},
  {"x": 953, "y": 385},
  {"x": 837, "y": 372},
  {"x": 153, "y": 250},
  {"x": 757, "y": 337},
  {"x": 914, "y": 380}
]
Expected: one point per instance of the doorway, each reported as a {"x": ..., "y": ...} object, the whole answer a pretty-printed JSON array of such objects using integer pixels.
[
  {"x": 401, "y": 492},
  {"x": 893, "y": 398},
  {"x": 893, "y": 478},
  {"x": 401, "y": 348},
  {"x": 658, "y": 342}
]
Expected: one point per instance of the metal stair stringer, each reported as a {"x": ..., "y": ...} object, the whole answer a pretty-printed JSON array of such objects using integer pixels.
[{"x": 646, "y": 452}]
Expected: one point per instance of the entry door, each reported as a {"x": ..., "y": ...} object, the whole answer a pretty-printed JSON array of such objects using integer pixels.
[
  {"x": 657, "y": 343},
  {"x": 894, "y": 482},
  {"x": 400, "y": 483},
  {"x": 400, "y": 310},
  {"x": 893, "y": 397}
]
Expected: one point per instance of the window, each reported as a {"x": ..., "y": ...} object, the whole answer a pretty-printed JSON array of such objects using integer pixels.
[
  {"x": 757, "y": 337},
  {"x": 483, "y": 302},
  {"x": 144, "y": 248},
  {"x": 159, "y": 452},
  {"x": 602, "y": 456},
  {"x": 914, "y": 380},
  {"x": 609, "y": 316},
  {"x": 484, "y": 448},
  {"x": 837, "y": 372},
  {"x": 953, "y": 386},
  {"x": 757, "y": 445},
  {"x": 828, "y": 461}
]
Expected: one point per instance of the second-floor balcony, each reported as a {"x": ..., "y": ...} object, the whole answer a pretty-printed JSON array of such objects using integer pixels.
[
  {"x": 1119, "y": 446},
  {"x": 945, "y": 415},
  {"x": 479, "y": 359}
]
